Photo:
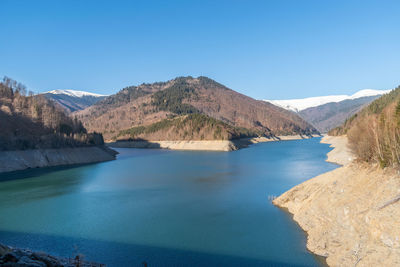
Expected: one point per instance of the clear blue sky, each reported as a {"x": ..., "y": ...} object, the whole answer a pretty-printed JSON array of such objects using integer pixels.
[{"x": 265, "y": 49}]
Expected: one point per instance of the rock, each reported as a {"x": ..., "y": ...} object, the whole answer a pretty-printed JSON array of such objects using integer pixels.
[
  {"x": 50, "y": 261},
  {"x": 24, "y": 258},
  {"x": 26, "y": 261},
  {"x": 4, "y": 250},
  {"x": 10, "y": 257}
]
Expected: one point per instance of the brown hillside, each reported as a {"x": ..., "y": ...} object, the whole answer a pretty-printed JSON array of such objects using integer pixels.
[
  {"x": 328, "y": 116},
  {"x": 187, "y": 127},
  {"x": 151, "y": 103},
  {"x": 29, "y": 122},
  {"x": 374, "y": 132}
]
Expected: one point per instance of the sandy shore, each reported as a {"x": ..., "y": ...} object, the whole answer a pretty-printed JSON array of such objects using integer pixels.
[
  {"x": 351, "y": 214},
  {"x": 206, "y": 145},
  {"x": 35, "y": 158}
]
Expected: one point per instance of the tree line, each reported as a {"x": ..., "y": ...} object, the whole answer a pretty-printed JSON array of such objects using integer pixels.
[
  {"x": 32, "y": 121},
  {"x": 374, "y": 133}
]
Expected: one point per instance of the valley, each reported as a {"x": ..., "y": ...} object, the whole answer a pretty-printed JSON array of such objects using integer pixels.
[
  {"x": 350, "y": 214},
  {"x": 328, "y": 112}
]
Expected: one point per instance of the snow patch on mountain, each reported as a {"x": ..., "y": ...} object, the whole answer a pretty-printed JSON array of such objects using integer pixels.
[
  {"x": 297, "y": 105},
  {"x": 73, "y": 93}
]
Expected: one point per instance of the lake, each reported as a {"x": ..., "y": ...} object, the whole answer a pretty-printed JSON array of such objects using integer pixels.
[{"x": 166, "y": 208}]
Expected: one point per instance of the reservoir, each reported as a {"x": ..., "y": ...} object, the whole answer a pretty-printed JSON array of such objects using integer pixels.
[{"x": 166, "y": 208}]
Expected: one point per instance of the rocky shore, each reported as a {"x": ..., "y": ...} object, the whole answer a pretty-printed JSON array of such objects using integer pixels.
[
  {"x": 351, "y": 213},
  {"x": 205, "y": 145},
  {"x": 35, "y": 158},
  {"x": 11, "y": 257}
]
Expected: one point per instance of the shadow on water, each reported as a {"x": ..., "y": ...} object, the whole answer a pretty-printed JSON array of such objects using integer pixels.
[{"x": 120, "y": 254}]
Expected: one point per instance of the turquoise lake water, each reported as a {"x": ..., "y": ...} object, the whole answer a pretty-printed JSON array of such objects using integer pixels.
[{"x": 166, "y": 208}]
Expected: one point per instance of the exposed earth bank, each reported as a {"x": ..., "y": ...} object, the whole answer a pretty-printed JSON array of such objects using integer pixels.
[
  {"x": 351, "y": 214},
  {"x": 206, "y": 145},
  {"x": 35, "y": 158},
  {"x": 341, "y": 153}
]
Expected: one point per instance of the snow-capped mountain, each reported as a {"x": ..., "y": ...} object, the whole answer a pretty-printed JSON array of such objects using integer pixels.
[
  {"x": 73, "y": 100},
  {"x": 73, "y": 93},
  {"x": 328, "y": 112},
  {"x": 298, "y": 105}
]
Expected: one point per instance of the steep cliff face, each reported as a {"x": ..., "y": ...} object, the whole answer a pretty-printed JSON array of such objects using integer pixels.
[{"x": 151, "y": 103}]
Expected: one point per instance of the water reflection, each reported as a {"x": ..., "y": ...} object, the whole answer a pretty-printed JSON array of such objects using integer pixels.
[{"x": 209, "y": 203}]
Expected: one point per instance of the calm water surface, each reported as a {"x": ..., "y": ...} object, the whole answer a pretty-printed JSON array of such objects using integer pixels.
[{"x": 168, "y": 208}]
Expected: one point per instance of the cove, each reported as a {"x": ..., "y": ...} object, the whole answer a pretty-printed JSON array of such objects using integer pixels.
[{"x": 166, "y": 208}]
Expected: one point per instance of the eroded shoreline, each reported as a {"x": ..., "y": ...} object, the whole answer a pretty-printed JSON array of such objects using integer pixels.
[
  {"x": 37, "y": 158},
  {"x": 350, "y": 214},
  {"x": 204, "y": 145}
]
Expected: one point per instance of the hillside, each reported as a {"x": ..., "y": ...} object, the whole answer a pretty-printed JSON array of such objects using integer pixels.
[
  {"x": 374, "y": 132},
  {"x": 29, "y": 122},
  {"x": 147, "y": 104},
  {"x": 189, "y": 127},
  {"x": 351, "y": 213},
  {"x": 328, "y": 116},
  {"x": 71, "y": 100}
]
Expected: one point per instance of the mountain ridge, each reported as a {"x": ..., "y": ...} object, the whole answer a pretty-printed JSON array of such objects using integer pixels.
[
  {"x": 300, "y": 104},
  {"x": 73, "y": 100},
  {"x": 147, "y": 104},
  {"x": 75, "y": 93},
  {"x": 328, "y": 112},
  {"x": 330, "y": 115}
]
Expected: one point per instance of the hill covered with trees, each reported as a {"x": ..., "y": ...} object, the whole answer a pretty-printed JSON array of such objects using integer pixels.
[
  {"x": 31, "y": 121},
  {"x": 374, "y": 132},
  {"x": 176, "y": 105},
  {"x": 189, "y": 127}
]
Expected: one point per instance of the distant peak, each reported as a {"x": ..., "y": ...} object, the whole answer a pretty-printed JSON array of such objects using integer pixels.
[
  {"x": 73, "y": 93},
  {"x": 368, "y": 92},
  {"x": 304, "y": 103}
]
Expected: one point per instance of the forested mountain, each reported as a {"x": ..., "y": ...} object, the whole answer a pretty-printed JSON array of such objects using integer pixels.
[
  {"x": 29, "y": 121},
  {"x": 71, "y": 100},
  {"x": 226, "y": 113},
  {"x": 374, "y": 132},
  {"x": 328, "y": 116}
]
